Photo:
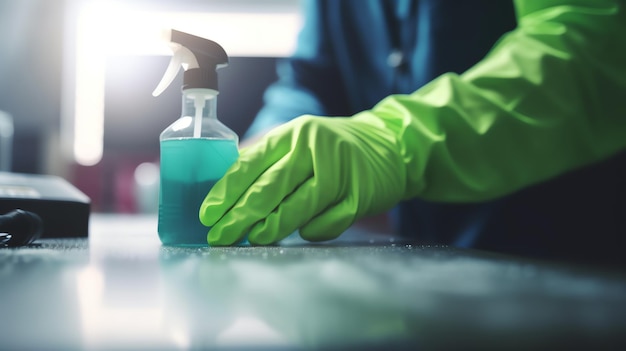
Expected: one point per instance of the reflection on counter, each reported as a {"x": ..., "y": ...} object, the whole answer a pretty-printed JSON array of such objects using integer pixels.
[{"x": 121, "y": 289}]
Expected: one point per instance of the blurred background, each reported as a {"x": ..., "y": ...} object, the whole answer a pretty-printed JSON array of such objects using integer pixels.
[{"x": 76, "y": 78}]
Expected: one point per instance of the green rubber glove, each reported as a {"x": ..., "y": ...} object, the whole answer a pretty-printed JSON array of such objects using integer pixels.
[
  {"x": 315, "y": 174},
  {"x": 549, "y": 98}
]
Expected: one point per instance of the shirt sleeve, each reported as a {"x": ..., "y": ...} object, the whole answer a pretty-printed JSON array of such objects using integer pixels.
[
  {"x": 302, "y": 87},
  {"x": 550, "y": 97}
]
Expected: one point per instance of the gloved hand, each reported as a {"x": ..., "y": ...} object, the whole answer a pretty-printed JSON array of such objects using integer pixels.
[{"x": 315, "y": 174}]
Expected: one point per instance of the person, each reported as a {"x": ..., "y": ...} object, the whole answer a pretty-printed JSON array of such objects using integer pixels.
[{"x": 485, "y": 124}]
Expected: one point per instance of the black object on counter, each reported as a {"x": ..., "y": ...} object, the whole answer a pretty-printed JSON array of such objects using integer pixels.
[{"x": 63, "y": 209}]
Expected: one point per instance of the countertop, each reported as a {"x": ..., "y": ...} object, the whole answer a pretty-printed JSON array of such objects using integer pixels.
[{"x": 120, "y": 289}]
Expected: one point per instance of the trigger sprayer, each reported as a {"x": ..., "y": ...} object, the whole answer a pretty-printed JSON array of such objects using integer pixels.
[{"x": 197, "y": 149}]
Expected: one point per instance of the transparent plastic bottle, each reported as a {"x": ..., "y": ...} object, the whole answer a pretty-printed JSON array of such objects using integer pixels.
[{"x": 196, "y": 151}]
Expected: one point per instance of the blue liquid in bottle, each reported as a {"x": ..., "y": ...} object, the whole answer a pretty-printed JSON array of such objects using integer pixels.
[{"x": 189, "y": 169}]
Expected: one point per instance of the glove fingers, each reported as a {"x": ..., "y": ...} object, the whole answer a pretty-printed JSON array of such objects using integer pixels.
[
  {"x": 259, "y": 200},
  {"x": 331, "y": 223},
  {"x": 297, "y": 209},
  {"x": 228, "y": 230},
  {"x": 252, "y": 162}
]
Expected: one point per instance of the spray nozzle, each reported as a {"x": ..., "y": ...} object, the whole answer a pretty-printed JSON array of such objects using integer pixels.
[{"x": 199, "y": 57}]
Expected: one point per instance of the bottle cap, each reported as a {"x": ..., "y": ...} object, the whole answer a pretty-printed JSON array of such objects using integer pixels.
[{"x": 199, "y": 57}]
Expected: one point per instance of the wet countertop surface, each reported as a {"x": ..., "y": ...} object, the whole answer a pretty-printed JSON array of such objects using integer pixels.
[{"x": 120, "y": 290}]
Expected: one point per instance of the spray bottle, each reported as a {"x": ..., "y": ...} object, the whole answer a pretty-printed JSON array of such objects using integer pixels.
[{"x": 197, "y": 149}]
